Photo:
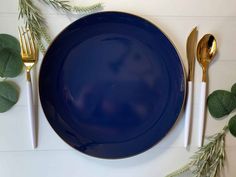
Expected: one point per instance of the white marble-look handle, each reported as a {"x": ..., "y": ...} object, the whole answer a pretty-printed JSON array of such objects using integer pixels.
[
  {"x": 202, "y": 114},
  {"x": 188, "y": 111},
  {"x": 31, "y": 113}
]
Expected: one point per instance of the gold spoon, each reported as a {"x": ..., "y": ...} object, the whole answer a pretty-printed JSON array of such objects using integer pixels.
[{"x": 206, "y": 51}]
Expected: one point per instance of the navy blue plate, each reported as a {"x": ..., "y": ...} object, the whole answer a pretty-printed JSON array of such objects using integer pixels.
[{"x": 111, "y": 85}]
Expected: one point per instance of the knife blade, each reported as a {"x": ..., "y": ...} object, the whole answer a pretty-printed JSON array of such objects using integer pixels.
[{"x": 190, "y": 49}]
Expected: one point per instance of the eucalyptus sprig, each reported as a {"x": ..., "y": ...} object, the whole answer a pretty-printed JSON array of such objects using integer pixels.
[
  {"x": 35, "y": 21},
  {"x": 10, "y": 67}
]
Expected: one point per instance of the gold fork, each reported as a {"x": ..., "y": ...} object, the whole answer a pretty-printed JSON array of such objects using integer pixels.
[{"x": 29, "y": 54}]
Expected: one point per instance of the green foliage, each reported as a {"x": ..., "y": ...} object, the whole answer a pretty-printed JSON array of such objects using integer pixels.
[
  {"x": 63, "y": 5},
  {"x": 8, "y": 96},
  {"x": 8, "y": 41},
  {"x": 233, "y": 89},
  {"x": 36, "y": 23},
  {"x": 209, "y": 160},
  {"x": 10, "y": 66},
  {"x": 87, "y": 9},
  {"x": 232, "y": 126},
  {"x": 221, "y": 103},
  {"x": 10, "y": 62}
]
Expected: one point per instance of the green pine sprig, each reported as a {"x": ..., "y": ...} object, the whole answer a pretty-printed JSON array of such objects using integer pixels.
[
  {"x": 57, "y": 4},
  {"x": 65, "y": 6},
  {"x": 86, "y": 9},
  {"x": 209, "y": 160},
  {"x": 35, "y": 21}
]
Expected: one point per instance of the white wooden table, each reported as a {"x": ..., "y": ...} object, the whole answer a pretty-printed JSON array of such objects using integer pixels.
[{"x": 54, "y": 158}]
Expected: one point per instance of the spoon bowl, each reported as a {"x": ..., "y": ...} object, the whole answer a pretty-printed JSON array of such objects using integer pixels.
[{"x": 206, "y": 51}]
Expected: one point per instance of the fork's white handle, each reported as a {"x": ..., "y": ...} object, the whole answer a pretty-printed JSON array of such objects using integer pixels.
[
  {"x": 202, "y": 114},
  {"x": 31, "y": 112},
  {"x": 188, "y": 111}
]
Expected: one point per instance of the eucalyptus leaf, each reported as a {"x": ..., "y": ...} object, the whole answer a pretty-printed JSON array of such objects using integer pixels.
[
  {"x": 232, "y": 126},
  {"x": 10, "y": 63},
  {"x": 233, "y": 89},
  {"x": 8, "y": 96},
  {"x": 8, "y": 41},
  {"x": 221, "y": 103}
]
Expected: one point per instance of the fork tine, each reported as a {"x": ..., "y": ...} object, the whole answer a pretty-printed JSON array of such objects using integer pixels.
[
  {"x": 31, "y": 51},
  {"x": 34, "y": 44},
  {"x": 25, "y": 41},
  {"x": 36, "y": 51},
  {"x": 21, "y": 41}
]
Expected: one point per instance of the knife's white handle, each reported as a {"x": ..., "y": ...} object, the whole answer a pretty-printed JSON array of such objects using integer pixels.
[
  {"x": 188, "y": 111},
  {"x": 202, "y": 114}
]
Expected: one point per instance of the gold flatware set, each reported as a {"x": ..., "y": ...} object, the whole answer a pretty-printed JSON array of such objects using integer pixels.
[{"x": 206, "y": 50}]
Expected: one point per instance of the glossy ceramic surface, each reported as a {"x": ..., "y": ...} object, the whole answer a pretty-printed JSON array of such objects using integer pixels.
[{"x": 111, "y": 85}]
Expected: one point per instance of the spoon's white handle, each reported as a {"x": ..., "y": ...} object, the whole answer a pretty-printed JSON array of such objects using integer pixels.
[
  {"x": 188, "y": 111},
  {"x": 202, "y": 114}
]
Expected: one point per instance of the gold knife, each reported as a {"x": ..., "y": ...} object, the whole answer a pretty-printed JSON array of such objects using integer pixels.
[{"x": 190, "y": 49}]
